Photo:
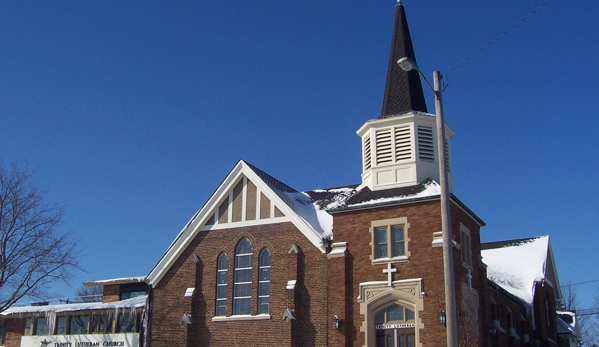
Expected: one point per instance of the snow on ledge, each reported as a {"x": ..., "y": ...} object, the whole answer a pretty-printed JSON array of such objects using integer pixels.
[
  {"x": 124, "y": 280},
  {"x": 129, "y": 304}
]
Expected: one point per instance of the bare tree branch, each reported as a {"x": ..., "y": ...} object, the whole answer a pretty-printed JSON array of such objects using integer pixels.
[
  {"x": 90, "y": 294},
  {"x": 33, "y": 252}
]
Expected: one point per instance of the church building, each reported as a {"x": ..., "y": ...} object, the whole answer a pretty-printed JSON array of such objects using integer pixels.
[{"x": 261, "y": 264}]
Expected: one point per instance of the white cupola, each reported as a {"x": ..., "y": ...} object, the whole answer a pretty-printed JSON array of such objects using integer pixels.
[{"x": 401, "y": 151}]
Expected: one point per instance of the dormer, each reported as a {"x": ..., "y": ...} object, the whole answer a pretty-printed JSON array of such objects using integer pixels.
[{"x": 401, "y": 150}]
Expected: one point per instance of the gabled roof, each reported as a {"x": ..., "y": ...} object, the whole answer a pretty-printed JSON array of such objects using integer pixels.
[
  {"x": 403, "y": 90},
  {"x": 310, "y": 212},
  {"x": 517, "y": 265},
  {"x": 290, "y": 205}
]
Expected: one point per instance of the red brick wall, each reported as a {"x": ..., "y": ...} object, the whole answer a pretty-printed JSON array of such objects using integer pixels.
[
  {"x": 545, "y": 331},
  {"x": 14, "y": 330},
  {"x": 309, "y": 299},
  {"x": 539, "y": 332},
  {"x": 111, "y": 293},
  {"x": 424, "y": 262}
]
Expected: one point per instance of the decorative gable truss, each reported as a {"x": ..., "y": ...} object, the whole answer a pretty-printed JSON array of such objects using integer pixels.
[
  {"x": 249, "y": 196},
  {"x": 243, "y": 205}
]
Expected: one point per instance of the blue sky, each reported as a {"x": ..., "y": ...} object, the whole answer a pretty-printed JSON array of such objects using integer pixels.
[{"x": 134, "y": 112}]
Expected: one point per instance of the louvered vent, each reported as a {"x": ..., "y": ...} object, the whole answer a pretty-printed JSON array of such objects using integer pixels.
[
  {"x": 447, "y": 159},
  {"x": 367, "y": 154},
  {"x": 425, "y": 143},
  {"x": 403, "y": 143},
  {"x": 384, "y": 148}
]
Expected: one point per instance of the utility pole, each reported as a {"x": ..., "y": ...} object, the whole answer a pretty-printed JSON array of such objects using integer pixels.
[{"x": 448, "y": 271}]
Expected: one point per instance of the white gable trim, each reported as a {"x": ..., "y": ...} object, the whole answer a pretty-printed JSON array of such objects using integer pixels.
[
  {"x": 550, "y": 259},
  {"x": 195, "y": 225}
]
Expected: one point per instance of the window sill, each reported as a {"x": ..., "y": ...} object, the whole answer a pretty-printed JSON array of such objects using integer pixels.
[
  {"x": 240, "y": 318},
  {"x": 399, "y": 259}
]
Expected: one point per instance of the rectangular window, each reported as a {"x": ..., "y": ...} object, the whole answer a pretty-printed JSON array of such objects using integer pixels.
[
  {"x": 41, "y": 326},
  {"x": 79, "y": 324},
  {"x": 389, "y": 239},
  {"x": 28, "y": 326},
  {"x": 101, "y": 323},
  {"x": 382, "y": 245},
  {"x": 399, "y": 245},
  {"x": 466, "y": 246},
  {"x": 61, "y": 325},
  {"x": 126, "y": 323}
]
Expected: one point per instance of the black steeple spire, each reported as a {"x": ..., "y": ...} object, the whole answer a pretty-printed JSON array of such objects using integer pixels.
[{"x": 403, "y": 90}]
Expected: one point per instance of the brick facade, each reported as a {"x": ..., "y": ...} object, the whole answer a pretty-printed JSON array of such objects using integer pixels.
[
  {"x": 308, "y": 300},
  {"x": 424, "y": 262}
]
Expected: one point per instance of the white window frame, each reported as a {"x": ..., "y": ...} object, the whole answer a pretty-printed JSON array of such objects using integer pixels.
[
  {"x": 261, "y": 282},
  {"x": 225, "y": 270},
  {"x": 236, "y": 298},
  {"x": 388, "y": 225}
]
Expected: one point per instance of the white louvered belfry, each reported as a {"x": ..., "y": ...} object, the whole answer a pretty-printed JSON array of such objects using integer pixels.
[{"x": 400, "y": 151}]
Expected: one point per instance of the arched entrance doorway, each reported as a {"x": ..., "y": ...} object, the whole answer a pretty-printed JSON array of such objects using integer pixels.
[{"x": 395, "y": 327}]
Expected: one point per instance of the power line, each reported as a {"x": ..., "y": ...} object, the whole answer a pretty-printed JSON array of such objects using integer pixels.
[
  {"x": 577, "y": 284},
  {"x": 499, "y": 37},
  {"x": 587, "y": 314}
]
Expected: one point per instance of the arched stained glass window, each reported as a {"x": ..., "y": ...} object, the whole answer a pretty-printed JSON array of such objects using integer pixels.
[
  {"x": 242, "y": 291},
  {"x": 264, "y": 282},
  {"x": 221, "y": 285}
]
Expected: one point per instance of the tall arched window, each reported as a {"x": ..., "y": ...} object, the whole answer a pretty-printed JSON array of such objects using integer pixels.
[
  {"x": 221, "y": 285},
  {"x": 242, "y": 291},
  {"x": 264, "y": 282}
]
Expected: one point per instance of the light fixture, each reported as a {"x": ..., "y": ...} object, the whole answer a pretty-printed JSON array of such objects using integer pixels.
[
  {"x": 492, "y": 330},
  {"x": 407, "y": 64},
  {"x": 186, "y": 319},
  {"x": 442, "y": 318},
  {"x": 336, "y": 323}
]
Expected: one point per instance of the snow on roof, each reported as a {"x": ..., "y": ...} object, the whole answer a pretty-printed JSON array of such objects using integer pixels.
[
  {"x": 431, "y": 188},
  {"x": 516, "y": 265},
  {"x": 315, "y": 218},
  {"x": 338, "y": 196},
  {"x": 139, "y": 301},
  {"x": 314, "y": 206},
  {"x": 319, "y": 220},
  {"x": 357, "y": 196},
  {"x": 123, "y": 280}
]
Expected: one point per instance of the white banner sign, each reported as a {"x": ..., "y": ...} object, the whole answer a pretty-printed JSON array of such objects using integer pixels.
[
  {"x": 96, "y": 340},
  {"x": 394, "y": 326}
]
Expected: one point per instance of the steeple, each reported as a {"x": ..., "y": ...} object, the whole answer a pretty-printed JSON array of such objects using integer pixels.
[
  {"x": 399, "y": 148},
  {"x": 403, "y": 90}
]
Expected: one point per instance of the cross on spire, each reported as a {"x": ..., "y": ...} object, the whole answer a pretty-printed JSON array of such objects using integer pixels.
[{"x": 389, "y": 271}]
